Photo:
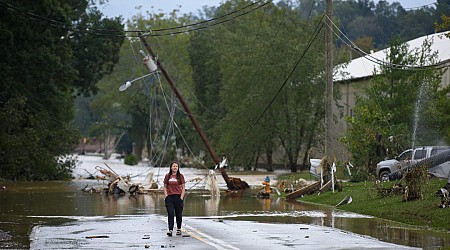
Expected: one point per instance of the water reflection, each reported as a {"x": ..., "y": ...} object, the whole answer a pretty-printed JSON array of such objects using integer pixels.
[
  {"x": 212, "y": 206},
  {"x": 24, "y": 205}
]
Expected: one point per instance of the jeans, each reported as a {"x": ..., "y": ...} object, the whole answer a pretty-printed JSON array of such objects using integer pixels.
[{"x": 174, "y": 206}]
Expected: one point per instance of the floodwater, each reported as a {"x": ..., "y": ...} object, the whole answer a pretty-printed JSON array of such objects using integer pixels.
[{"x": 25, "y": 205}]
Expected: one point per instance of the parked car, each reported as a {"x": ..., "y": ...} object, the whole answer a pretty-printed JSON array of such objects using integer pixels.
[{"x": 384, "y": 168}]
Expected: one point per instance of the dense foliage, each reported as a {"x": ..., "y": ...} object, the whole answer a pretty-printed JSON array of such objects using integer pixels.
[
  {"x": 399, "y": 109},
  {"x": 251, "y": 78},
  {"x": 270, "y": 91},
  {"x": 50, "y": 52}
]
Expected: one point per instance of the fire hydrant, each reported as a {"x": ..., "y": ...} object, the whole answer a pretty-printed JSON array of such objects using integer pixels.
[{"x": 266, "y": 184}]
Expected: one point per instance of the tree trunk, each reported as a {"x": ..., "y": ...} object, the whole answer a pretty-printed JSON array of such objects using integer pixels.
[
  {"x": 292, "y": 164},
  {"x": 269, "y": 155},
  {"x": 256, "y": 159}
]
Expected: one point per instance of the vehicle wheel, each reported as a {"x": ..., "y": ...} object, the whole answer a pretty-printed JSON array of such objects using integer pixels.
[{"x": 384, "y": 175}]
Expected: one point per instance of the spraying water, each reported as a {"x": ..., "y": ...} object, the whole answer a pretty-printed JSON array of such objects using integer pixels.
[{"x": 417, "y": 109}]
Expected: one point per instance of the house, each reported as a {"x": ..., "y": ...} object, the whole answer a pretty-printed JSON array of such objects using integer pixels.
[{"x": 358, "y": 74}]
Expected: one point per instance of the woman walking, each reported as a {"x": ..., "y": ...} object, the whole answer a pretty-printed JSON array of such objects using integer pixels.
[{"x": 174, "y": 190}]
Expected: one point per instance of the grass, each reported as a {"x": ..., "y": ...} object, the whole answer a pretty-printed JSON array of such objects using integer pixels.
[
  {"x": 295, "y": 176},
  {"x": 365, "y": 200}
]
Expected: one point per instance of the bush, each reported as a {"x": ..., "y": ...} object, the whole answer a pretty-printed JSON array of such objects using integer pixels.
[{"x": 131, "y": 159}]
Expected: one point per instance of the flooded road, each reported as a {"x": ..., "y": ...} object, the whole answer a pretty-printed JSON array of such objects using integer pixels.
[{"x": 25, "y": 205}]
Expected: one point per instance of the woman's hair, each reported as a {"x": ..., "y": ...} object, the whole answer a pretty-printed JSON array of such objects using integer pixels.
[{"x": 170, "y": 172}]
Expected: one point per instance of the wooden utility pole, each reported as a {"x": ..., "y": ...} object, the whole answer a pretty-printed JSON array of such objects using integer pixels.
[
  {"x": 329, "y": 131},
  {"x": 232, "y": 183}
]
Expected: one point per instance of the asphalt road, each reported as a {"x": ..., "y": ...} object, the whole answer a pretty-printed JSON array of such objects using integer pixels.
[{"x": 149, "y": 232}]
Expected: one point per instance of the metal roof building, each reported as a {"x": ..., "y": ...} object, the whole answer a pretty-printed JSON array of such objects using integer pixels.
[{"x": 353, "y": 76}]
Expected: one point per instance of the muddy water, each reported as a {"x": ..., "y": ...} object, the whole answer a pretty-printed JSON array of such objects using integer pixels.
[{"x": 24, "y": 205}]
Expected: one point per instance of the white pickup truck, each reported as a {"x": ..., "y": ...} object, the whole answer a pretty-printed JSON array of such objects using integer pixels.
[{"x": 384, "y": 168}]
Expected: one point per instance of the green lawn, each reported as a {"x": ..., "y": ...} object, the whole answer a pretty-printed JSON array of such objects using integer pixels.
[{"x": 365, "y": 200}]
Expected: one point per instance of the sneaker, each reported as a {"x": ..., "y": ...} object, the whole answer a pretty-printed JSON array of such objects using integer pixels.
[
  {"x": 169, "y": 233},
  {"x": 178, "y": 231}
]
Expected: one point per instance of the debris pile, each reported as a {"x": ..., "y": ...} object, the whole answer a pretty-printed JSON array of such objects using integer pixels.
[
  {"x": 445, "y": 197},
  {"x": 444, "y": 193},
  {"x": 382, "y": 191},
  {"x": 121, "y": 185},
  {"x": 290, "y": 185}
]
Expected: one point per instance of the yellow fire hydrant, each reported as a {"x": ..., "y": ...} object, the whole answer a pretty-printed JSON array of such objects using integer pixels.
[{"x": 266, "y": 184}]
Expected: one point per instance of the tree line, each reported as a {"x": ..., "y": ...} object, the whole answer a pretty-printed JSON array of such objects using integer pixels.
[
  {"x": 255, "y": 82},
  {"x": 50, "y": 54},
  {"x": 254, "y": 79}
]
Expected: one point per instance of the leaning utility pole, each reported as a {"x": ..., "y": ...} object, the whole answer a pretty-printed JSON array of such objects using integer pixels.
[
  {"x": 232, "y": 182},
  {"x": 329, "y": 136}
]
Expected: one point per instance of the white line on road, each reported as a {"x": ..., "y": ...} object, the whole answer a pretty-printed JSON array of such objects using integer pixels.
[{"x": 208, "y": 239}]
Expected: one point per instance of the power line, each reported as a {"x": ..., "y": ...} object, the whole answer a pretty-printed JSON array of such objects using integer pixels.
[
  {"x": 155, "y": 32},
  {"x": 259, "y": 68},
  {"x": 375, "y": 60},
  {"x": 311, "y": 40},
  {"x": 369, "y": 57},
  {"x": 201, "y": 22},
  {"x": 422, "y": 6},
  {"x": 147, "y": 33}
]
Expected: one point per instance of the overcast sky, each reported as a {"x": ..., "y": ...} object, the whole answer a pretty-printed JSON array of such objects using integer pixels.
[{"x": 127, "y": 8}]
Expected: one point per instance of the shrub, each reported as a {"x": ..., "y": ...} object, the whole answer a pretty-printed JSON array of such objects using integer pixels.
[{"x": 131, "y": 159}]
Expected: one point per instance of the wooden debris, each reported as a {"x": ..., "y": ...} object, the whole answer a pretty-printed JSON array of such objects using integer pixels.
[
  {"x": 325, "y": 187},
  {"x": 302, "y": 191},
  {"x": 120, "y": 185}
]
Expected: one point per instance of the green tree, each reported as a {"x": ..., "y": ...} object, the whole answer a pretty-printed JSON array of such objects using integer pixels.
[
  {"x": 442, "y": 13},
  {"x": 444, "y": 25},
  {"x": 207, "y": 81},
  {"x": 257, "y": 54},
  {"x": 386, "y": 115},
  {"x": 418, "y": 20},
  {"x": 148, "y": 110},
  {"x": 41, "y": 46},
  {"x": 214, "y": 50},
  {"x": 443, "y": 106},
  {"x": 381, "y": 20}
]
